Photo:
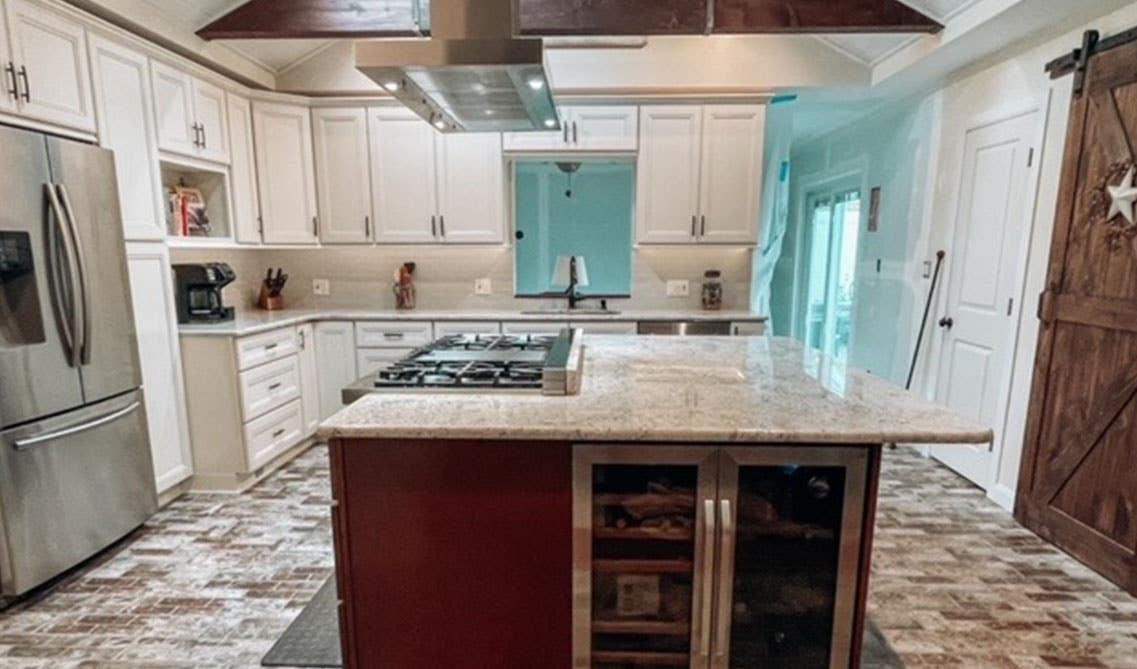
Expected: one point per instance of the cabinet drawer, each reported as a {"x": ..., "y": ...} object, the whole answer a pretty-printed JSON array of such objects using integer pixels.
[
  {"x": 392, "y": 334},
  {"x": 533, "y": 327},
  {"x": 273, "y": 433},
  {"x": 270, "y": 385},
  {"x": 371, "y": 360},
  {"x": 607, "y": 327},
  {"x": 445, "y": 328},
  {"x": 262, "y": 348}
]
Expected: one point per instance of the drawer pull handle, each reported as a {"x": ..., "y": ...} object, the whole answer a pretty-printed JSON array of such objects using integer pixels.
[
  {"x": 392, "y": 335},
  {"x": 275, "y": 386},
  {"x": 269, "y": 347},
  {"x": 278, "y": 433}
]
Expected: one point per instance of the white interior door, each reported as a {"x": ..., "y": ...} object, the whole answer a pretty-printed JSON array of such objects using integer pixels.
[
  {"x": 986, "y": 273},
  {"x": 470, "y": 188},
  {"x": 403, "y": 177},
  {"x": 50, "y": 51},
  {"x": 343, "y": 175}
]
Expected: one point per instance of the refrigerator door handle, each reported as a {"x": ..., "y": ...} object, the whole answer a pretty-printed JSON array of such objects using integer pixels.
[
  {"x": 85, "y": 347},
  {"x": 25, "y": 444},
  {"x": 63, "y": 269}
]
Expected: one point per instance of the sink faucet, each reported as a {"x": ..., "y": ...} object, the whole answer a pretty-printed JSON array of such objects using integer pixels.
[{"x": 574, "y": 279}]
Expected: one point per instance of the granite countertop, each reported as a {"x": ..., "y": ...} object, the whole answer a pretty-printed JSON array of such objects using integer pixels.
[
  {"x": 255, "y": 322},
  {"x": 677, "y": 389}
]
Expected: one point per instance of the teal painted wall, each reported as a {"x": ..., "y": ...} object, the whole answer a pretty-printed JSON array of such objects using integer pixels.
[
  {"x": 891, "y": 151},
  {"x": 596, "y": 222}
]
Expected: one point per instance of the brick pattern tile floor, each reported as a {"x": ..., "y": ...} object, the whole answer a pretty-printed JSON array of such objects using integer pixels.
[{"x": 213, "y": 580}]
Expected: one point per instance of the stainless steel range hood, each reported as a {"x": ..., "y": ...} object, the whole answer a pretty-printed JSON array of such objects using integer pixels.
[{"x": 472, "y": 75}]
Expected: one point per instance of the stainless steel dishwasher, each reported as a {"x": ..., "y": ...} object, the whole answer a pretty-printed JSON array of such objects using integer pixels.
[{"x": 684, "y": 328}]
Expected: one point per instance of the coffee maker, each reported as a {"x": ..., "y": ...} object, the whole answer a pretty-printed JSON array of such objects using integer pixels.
[{"x": 197, "y": 289}]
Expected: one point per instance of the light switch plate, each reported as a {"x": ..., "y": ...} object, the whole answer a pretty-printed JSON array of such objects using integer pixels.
[
  {"x": 483, "y": 287},
  {"x": 321, "y": 287},
  {"x": 678, "y": 288}
]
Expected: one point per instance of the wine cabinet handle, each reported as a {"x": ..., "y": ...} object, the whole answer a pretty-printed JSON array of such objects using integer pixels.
[
  {"x": 708, "y": 578},
  {"x": 726, "y": 581}
]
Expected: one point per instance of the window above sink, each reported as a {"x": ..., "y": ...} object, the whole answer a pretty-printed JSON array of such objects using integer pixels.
[{"x": 581, "y": 209}]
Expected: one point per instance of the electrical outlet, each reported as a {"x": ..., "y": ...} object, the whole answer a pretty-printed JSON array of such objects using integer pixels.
[
  {"x": 678, "y": 288},
  {"x": 321, "y": 287},
  {"x": 483, "y": 287}
]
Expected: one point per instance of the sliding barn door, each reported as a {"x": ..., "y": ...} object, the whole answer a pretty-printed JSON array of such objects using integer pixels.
[{"x": 1078, "y": 486}]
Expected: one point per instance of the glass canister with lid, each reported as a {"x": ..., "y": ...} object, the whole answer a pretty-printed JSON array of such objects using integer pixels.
[{"x": 712, "y": 289}]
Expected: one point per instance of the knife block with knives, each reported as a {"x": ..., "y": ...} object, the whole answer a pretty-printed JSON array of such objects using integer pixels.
[{"x": 270, "y": 298}]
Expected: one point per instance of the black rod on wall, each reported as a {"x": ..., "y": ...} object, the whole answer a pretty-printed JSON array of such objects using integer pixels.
[{"x": 924, "y": 322}]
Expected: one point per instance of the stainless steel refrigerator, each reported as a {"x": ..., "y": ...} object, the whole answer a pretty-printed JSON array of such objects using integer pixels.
[{"x": 75, "y": 466}]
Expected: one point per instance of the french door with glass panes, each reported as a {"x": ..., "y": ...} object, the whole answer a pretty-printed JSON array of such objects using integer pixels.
[
  {"x": 832, "y": 226},
  {"x": 716, "y": 558}
]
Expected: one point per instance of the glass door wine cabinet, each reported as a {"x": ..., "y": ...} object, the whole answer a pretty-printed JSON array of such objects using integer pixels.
[{"x": 717, "y": 558}]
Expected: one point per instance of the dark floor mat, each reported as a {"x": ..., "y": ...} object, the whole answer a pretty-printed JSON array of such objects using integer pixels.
[{"x": 313, "y": 639}]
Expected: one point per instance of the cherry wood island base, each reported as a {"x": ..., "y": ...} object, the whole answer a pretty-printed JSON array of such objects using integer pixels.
[{"x": 523, "y": 555}]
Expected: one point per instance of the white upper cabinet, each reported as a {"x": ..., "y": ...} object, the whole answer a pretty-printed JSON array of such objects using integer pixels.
[
  {"x": 700, "y": 174},
  {"x": 121, "y": 81},
  {"x": 430, "y": 187},
  {"x": 343, "y": 175},
  {"x": 173, "y": 95},
  {"x": 285, "y": 174},
  {"x": 470, "y": 188},
  {"x": 209, "y": 108},
  {"x": 604, "y": 128},
  {"x": 402, "y": 176},
  {"x": 46, "y": 66},
  {"x": 667, "y": 174},
  {"x": 733, "y": 138},
  {"x": 246, "y": 212},
  {"x": 191, "y": 115},
  {"x": 595, "y": 128},
  {"x": 11, "y": 93}
]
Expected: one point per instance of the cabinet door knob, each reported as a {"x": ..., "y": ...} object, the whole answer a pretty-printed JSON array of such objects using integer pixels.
[{"x": 947, "y": 322}]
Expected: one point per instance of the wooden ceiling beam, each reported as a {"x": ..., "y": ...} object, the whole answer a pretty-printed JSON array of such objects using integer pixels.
[
  {"x": 318, "y": 19},
  {"x": 689, "y": 17}
]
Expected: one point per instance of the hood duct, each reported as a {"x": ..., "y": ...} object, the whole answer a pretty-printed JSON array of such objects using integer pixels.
[{"x": 472, "y": 75}]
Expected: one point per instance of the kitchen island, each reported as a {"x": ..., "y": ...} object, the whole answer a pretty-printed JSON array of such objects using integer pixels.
[{"x": 703, "y": 502}]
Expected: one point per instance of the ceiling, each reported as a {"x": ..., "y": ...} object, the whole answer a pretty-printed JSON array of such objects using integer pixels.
[{"x": 871, "y": 49}]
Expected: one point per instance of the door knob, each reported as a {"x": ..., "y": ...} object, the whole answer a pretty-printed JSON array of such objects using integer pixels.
[{"x": 947, "y": 322}]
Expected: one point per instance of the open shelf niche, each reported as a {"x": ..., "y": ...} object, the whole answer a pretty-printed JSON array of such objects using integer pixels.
[{"x": 213, "y": 185}]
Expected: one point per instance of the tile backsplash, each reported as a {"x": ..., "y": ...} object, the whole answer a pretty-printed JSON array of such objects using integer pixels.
[{"x": 361, "y": 276}]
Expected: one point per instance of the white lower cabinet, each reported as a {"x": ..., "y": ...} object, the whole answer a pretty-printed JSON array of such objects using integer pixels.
[
  {"x": 447, "y": 328},
  {"x": 532, "y": 327},
  {"x": 607, "y": 327},
  {"x": 251, "y": 401},
  {"x": 267, "y": 436},
  {"x": 162, "y": 380},
  {"x": 336, "y": 366},
  {"x": 309, "y": 377}
]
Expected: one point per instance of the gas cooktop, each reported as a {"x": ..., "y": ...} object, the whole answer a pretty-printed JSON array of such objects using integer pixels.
[
  {"x": 528, "y": 362},
  {"x": 482, "y": 361}
]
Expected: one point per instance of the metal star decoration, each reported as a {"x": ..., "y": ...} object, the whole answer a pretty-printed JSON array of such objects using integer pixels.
[{"x": 1123, "y": 197}]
